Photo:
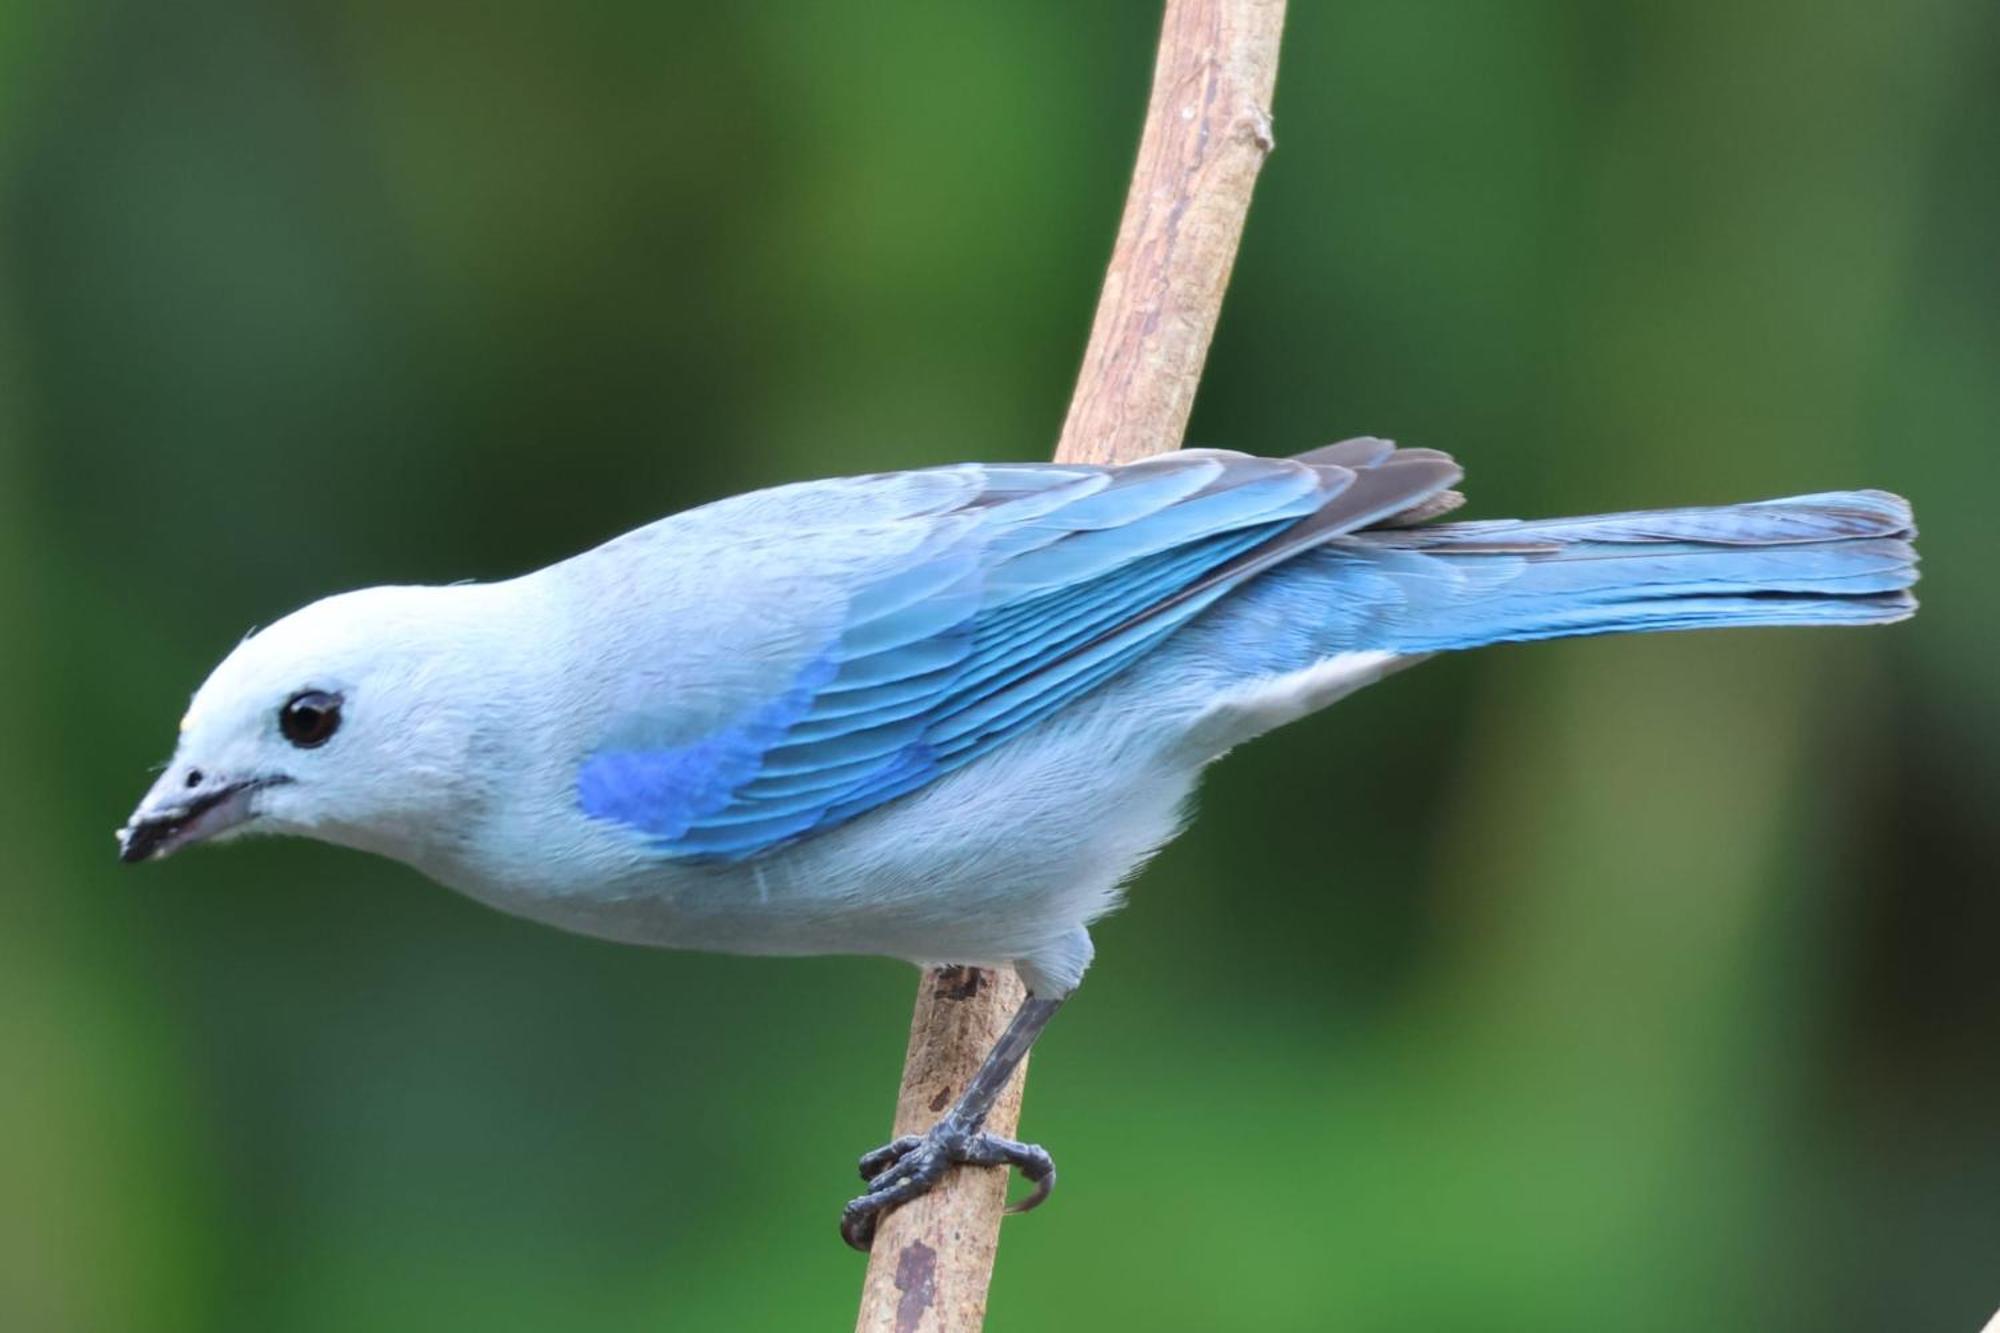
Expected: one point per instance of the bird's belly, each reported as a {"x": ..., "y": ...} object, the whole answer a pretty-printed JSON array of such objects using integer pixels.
[{"x": 990, "y": 864}]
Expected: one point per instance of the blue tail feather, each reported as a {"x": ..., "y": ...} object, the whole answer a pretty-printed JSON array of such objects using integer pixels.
[{"x": 1838, "y": 559}]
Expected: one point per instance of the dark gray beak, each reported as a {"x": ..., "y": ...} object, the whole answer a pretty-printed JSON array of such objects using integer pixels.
[{"x": 168, "y": 820}]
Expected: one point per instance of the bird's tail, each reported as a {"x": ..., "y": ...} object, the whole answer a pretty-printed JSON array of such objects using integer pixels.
[{"x": 1839, "y": 559}]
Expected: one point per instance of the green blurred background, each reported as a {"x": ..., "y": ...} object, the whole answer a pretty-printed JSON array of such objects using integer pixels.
[{"x": 1636, "y": 984}]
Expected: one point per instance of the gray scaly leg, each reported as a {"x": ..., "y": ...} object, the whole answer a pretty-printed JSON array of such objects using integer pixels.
[{"x": 912, "y": 1165}]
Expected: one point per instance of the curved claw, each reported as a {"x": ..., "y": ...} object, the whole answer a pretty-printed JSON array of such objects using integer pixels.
[
  {"x": 858, "y": 1232},
  {"x": 1041, "y": 1173},
  {"x": 857, "y": 1226},
  {"x": 911, "y": 1166}
]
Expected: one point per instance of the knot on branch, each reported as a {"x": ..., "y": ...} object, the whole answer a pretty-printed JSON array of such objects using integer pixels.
[{"x": 1257, "y": 122}]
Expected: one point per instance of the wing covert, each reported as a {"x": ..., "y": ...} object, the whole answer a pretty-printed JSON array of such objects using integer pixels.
[{"x": 1036, "y": 585}]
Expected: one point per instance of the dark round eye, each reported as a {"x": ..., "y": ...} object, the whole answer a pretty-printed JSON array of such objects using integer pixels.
[{"x": 310, "y": 718}]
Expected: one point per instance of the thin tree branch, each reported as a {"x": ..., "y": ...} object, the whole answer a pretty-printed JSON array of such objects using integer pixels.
[{"x": 1208, "y": 130}]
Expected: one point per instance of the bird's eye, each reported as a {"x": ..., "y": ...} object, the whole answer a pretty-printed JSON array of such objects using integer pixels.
[{"x": 310, "y": 718}]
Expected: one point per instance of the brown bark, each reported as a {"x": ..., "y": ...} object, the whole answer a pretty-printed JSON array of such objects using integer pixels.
[{"x": 1207, "y": 132}]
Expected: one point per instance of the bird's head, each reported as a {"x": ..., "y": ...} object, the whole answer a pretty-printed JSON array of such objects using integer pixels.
[{"x": 348, "y": 720}]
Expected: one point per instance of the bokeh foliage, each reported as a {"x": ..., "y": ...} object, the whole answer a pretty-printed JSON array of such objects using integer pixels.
[{"x": 1626, "y": 984}]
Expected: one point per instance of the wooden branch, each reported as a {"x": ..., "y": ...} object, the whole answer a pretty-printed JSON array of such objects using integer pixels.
[
  {"x": 1208, "y": 130},
  {"x": 933, "y": 1257}
]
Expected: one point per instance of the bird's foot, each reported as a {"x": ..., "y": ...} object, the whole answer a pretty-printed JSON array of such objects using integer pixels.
[{"x": 911, "y": 1166}]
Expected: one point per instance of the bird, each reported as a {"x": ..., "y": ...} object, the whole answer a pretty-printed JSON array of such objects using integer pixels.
[{"x": 941, "y": 715}]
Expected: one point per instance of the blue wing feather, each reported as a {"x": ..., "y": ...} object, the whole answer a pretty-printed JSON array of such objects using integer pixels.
[{"x": 1036, "y": 586}]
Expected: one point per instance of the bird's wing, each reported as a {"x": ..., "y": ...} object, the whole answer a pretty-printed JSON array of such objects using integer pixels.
[{"x": 1013, "y": 591}]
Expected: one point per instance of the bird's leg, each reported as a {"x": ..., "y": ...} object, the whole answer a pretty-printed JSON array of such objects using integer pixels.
[{"x": 912, "y": 1165}]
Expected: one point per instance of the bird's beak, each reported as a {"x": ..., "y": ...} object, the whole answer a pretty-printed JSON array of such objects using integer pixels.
[{"x": 170, "y": 817}]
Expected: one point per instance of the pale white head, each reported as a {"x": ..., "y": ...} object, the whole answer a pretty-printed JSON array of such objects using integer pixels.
[{"x": 351, "y": 720}]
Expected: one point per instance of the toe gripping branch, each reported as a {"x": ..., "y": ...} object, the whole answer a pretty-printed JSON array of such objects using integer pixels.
[{"x": 912, "y": 1165}]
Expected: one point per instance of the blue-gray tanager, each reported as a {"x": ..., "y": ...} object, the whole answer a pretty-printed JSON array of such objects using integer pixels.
[{"x": 939, "y": 715}]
